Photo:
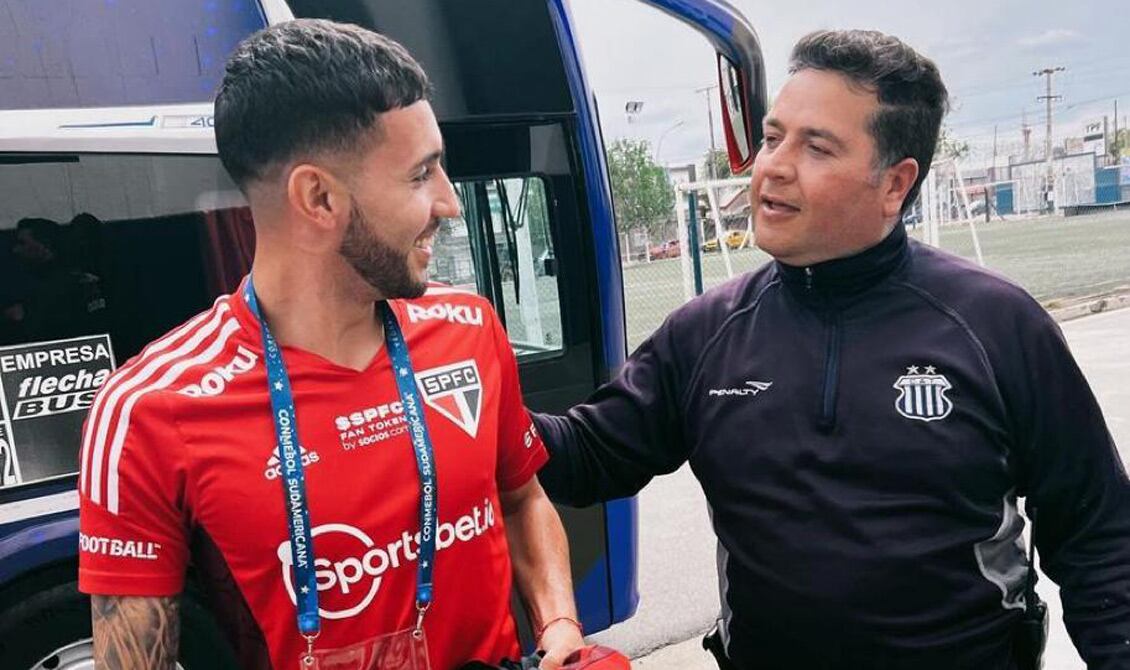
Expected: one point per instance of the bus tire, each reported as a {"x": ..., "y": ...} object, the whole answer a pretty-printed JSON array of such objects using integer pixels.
[{"x": 52, "y": 619}]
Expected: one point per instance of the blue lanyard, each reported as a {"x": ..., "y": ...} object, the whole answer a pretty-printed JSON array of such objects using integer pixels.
[{"x": 294, "y": 482}]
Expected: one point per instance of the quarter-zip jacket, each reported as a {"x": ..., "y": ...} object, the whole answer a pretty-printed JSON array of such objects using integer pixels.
[{"x": 862, "y": 429}]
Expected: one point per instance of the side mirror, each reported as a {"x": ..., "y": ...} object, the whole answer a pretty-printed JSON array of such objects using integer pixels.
[{"x": 734, "y": 87}]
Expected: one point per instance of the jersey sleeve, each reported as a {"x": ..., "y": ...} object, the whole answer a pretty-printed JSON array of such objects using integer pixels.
[
  {"x": 521, "y": 452},
  {"x": 133, "y": 538},
  {"x": 1077, "y": 483}
]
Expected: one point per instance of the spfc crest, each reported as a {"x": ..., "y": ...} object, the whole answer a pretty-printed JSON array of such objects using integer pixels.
[
  {"x": 455, "y": 391},
  {"x": 923, "y": 396}
]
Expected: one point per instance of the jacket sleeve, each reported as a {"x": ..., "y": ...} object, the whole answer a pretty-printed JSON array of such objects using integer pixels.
[
  {"x": 628, "y": 431},
  {"x": 1077, "y": 482}
]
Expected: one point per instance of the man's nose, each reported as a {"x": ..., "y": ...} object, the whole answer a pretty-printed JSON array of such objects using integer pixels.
[
  {"x": 447, "y": 204},
  {"x": 779, "y": 164}
]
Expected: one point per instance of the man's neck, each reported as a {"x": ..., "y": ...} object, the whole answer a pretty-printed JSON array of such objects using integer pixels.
[{"x": 319, "y": 307}]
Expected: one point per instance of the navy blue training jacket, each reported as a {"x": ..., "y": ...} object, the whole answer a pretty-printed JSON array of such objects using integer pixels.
[{"x": 862, "y": 429}]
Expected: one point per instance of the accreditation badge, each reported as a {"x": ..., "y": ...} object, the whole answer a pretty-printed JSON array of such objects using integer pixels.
[{"x": 403, "y": 650}]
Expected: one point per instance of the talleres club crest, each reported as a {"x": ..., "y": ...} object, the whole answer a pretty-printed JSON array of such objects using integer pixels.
[{"x": 922, "y": 396}]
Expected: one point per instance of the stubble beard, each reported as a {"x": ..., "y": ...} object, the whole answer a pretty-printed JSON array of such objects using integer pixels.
[{"x": 378, "y": 264}]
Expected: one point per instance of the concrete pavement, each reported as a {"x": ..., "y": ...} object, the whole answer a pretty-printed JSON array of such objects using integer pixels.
[{"x": 678, "y": 581}]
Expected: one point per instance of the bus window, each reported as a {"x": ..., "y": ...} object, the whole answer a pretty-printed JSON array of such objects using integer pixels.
[
  {"x": 99, "y": 255},
  {"x": 80, "y": 53},
  {"x": 502, "y": 248}
]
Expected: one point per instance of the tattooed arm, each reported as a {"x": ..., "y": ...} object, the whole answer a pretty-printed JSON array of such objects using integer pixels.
[{"x": 135, "y": 633}]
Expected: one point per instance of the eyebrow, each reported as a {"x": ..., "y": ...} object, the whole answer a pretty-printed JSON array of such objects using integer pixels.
[
  {"x": 433, "y": 157},
  {"x": 817, "y": 133}
]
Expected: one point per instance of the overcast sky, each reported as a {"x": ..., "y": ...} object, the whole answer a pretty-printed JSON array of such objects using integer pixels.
[{"x": 986, "y": 50}]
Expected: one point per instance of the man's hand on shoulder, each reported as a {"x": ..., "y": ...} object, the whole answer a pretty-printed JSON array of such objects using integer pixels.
[{"x": 135, "y": 632}]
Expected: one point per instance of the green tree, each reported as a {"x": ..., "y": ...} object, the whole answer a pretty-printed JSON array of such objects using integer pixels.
[
  {"x": 641, "y": 193},
  {"x": 721, "y": 159},
  {"x": 721, "y": 162},
  {"x": 950, "y": 147},
  {"x": 1120, "y": 145}
]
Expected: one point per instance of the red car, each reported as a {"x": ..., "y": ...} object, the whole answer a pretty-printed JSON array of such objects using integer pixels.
[{"x": 668, "y": 249}]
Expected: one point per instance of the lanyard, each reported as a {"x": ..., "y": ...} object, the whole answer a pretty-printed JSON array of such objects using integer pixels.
[{"x": 294, "y": 483}]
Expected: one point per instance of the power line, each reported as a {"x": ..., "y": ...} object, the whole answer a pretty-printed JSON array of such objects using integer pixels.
[
  {"x": 1103, "y": 65},
  {"x": 1009, "y": 117},
  {"x": 1070, "y": 80}
]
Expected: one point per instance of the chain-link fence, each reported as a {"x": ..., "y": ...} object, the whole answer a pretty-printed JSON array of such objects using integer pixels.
[
  {"x": 709, "y": 241},
  {"x": 1056, "y": 258}
]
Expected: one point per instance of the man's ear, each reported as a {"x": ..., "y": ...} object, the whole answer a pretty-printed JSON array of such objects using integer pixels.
[
  {"x": 317, "y": 197},
  {"x": 897, "y": 182}
]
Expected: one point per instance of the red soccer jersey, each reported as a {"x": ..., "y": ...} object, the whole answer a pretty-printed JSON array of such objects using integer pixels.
[{"x": 179, "y": 460}]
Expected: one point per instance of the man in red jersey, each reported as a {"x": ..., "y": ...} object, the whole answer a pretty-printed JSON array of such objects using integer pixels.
[{"x": 343, "y": 468}]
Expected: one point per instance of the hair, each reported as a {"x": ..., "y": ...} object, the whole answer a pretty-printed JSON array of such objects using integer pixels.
[
  {"x": 912, "y": 97},
  {"x": 305, "y": 87},
  {"x": 45, "y": 231}
]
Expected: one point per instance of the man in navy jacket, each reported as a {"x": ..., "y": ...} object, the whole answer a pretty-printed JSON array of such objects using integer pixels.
[{"x": 864, "y": 412}]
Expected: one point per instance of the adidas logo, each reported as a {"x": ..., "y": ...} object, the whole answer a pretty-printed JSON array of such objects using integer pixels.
[{"x": 274, "y": 465}]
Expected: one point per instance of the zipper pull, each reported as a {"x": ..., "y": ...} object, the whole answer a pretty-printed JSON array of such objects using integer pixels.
[{"x": 808, "y": 278}]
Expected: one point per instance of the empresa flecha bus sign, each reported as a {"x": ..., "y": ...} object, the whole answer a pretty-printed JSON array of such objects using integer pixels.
[{"x": 45, "y": 390}]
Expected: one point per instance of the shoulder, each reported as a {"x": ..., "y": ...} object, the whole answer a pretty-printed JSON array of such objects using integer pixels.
[
  {"x": 1002, "y": 319},
  {"x": 168, "y": 364},
  {"x": 443, "y": 303},
  {"x": 130, "y": 427},
  {"x": 706, "y": 314},
  {"x": 978, "y": 294},
  {"x": 688, "y": 333},
  {"x": 200, "y": 334}
]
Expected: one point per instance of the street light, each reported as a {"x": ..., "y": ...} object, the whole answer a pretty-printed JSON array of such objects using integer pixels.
[
  {"x": 663, "y": 136},
  {"x": 632, "y": 109}
]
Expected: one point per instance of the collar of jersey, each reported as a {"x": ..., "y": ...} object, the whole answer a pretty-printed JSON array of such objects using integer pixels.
[
  {"x": 251, "y": 336},
  {"x": 845, "y": 277}
]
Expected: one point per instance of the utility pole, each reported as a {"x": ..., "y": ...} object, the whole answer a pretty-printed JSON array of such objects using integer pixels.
[
  {"x": 1118, "y": 154},
  {"x": 993, "y": 171},
  {"x": 1026, "y": 132},
  {"x": 1048, "y": 99},
  {"x": 1106, "y": 139},
  {"x": 710, "y": 121}
]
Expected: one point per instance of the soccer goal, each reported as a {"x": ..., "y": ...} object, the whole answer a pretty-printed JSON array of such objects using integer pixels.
[{"x": 721, "y": 196}]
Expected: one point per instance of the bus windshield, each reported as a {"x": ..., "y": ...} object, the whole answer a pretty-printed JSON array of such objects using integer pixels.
[{"x": 78, "y": 54}]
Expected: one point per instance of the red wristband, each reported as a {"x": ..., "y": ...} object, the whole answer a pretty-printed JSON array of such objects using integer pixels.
[{"x": 540, "y": 631}]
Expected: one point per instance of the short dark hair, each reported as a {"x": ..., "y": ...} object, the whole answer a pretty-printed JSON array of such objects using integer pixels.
[
  {"x": 912, "y": 97},
  {"x": 45, "y": 231},
  {"x": 308, "y": 86}
]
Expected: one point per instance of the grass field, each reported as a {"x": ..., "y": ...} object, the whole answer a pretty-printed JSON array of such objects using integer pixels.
[{"x": 1054, "y": 258}]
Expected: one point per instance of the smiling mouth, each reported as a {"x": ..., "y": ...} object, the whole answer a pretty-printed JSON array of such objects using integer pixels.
[
  {"x": 425, "y": 241},
  {"x": 775, "y": 205}
]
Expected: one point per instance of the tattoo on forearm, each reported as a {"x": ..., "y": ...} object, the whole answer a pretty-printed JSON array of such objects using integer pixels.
[{"x": 134, "y": 633}]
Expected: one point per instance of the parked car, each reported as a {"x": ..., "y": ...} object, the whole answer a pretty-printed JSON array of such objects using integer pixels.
[
  {"x": 734, "y": 240},
  {"x": 668, "y": 249}
]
